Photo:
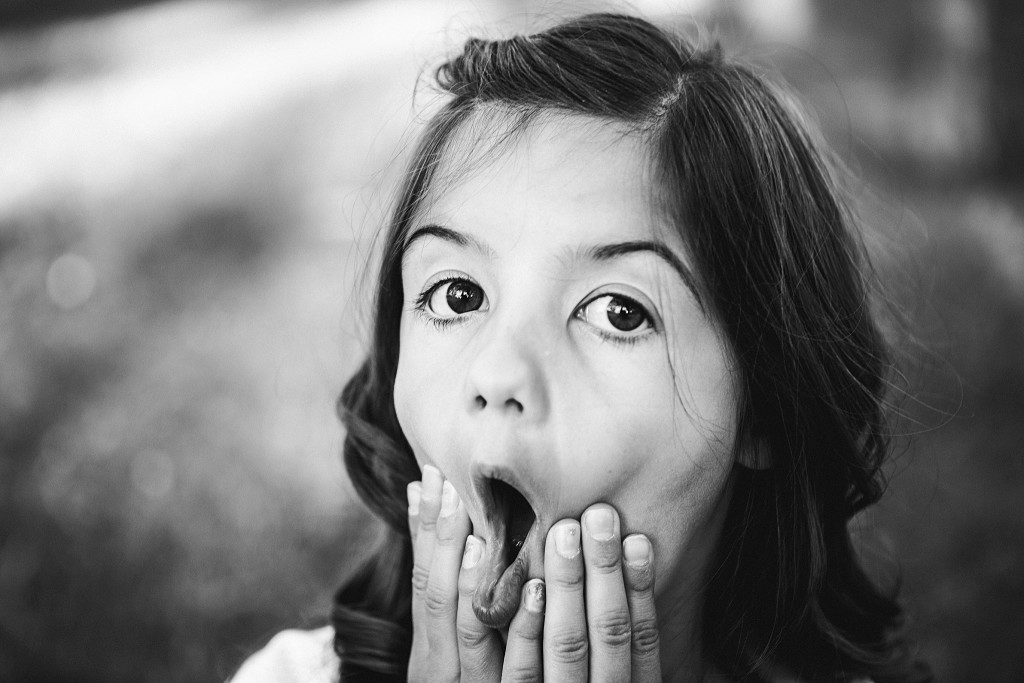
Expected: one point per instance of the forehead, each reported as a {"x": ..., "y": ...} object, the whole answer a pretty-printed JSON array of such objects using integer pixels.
[{"x": 565, "y": 174}]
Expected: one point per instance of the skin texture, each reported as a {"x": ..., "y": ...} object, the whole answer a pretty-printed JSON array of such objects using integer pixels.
[{"x": 537, "y": 383}]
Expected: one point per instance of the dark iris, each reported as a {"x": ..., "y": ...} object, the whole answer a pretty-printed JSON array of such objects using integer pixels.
[
  {"x": 464, "y": 297},
  {"x": 625, "y": 315}
]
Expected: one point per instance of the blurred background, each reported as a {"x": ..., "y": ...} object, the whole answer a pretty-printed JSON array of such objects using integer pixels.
[{"x": 189, "y": 194}]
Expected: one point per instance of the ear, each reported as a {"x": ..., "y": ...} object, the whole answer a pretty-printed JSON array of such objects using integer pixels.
[{"x": 755, "y": 455}]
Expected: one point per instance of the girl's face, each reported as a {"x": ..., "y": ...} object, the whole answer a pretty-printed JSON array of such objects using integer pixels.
[{"x": 551, "y": 339}]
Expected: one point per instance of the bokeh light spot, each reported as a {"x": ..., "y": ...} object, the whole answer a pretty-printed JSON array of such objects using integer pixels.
[{"x": 70, "y": 281}]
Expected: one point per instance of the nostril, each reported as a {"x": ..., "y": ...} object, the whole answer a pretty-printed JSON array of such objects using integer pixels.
[
  {"x": 514, "y": 405},
  {"x": 481, "y": 402}
]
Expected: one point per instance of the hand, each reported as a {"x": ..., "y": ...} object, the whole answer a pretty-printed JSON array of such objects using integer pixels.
[
  {"x": 599, "y": 609},
  {"x": 439, "y": 526}
]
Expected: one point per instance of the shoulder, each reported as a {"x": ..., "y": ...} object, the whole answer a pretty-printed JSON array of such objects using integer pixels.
[{"x": 293, "y": 656}]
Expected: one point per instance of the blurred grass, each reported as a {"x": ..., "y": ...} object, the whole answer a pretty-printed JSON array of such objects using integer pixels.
[
  {"x": 175, "y": 328},
  {"x": 188, "y": 194}
]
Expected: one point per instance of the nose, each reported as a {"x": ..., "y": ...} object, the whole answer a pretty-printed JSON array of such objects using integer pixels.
[{"x": 508, "y": 375}]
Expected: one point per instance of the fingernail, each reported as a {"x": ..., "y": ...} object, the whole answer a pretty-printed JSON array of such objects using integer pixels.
[
  {"x": 533, "y": 596},
  {"x": 567, "y": 540},
  {"x": 471, "y": 555},
  {"x": 449, "y": 500},
  {"x": 600, "y": 523},
  {"x": 415, "y": 492},
  {"x": 432, "y": 479},
  {"x": 637, "y": 550}
]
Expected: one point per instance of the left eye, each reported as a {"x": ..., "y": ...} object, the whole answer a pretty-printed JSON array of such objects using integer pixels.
[
  {"x": 455, "y": 297},
  {"x": 616, "y": 314}
]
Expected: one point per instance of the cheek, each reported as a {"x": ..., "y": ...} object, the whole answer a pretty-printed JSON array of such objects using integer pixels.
[
  {"x": 425, "y": 399},
  {"x": 622, "y": 441},
  {"x": 661, "y": 453},
  {"x": 402, "y": 394},
  {"x": 412, "y": 387},
  {"x": 673, "y": 495}
]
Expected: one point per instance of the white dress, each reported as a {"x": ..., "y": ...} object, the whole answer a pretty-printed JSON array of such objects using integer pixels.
[{"x": 293, "y": 656}]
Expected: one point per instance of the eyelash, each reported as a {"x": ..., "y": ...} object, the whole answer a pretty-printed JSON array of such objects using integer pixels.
[
  {"x": 421, "y": 301},
  {"x": 605, "y": 335}
]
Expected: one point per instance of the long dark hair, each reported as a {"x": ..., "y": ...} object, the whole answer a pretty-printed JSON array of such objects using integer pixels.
[{"x": 755, "y": 200}]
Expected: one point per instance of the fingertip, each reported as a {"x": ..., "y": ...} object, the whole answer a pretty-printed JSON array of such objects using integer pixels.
[
  {"x": 601, "y": 522},
  {"x": 471, "y": 555},
  {"x": 449, "y": 499},
  {"x": 637, "y": 550},
  {"x": 414, "y": 493},
  {"x": 534, "y": 596},
  {"x": 430, "y": 491},
  {"x": 462, "y": 512},
  {"x": 638, "y": 564},
  {"x": 432, "y": 481},
  {"x": 565, "y": 537}
]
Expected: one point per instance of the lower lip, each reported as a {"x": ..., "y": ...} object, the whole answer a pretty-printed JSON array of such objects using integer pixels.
[
  {"x": 496, "y": 599},
  {"x": 496, "y": 603}
]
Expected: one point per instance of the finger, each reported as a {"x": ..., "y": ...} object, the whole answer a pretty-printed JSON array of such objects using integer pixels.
[
  {"x": 565, "y": 650},
  {"x": 423, "y": 549},
  {"x": 480, "y": 649},
  {"x": 523, "y": 660},
  {"x": 414, "y": 492},
  {"x": 608, "y": 625},
  {"x": 639, "y": 573},
  {"x": 442, "y": 595}
]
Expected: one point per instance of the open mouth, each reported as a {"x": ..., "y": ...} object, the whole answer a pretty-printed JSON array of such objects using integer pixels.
[
  {"x": 519, "y": 516},
  {"x": 511, "y": 526}
]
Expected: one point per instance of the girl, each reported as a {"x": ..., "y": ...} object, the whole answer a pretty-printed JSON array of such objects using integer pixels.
[{"x": 625, "y": 390}]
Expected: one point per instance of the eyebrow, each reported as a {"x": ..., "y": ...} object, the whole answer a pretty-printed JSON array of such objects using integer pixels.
[
  {"x": 448, "y": 235},
  {"x": 602, "y": 252},
  {"x": 607, "y": 252}
]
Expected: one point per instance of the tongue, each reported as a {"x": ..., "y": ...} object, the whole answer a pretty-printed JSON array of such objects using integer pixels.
[{"x": 497, "y": 595}]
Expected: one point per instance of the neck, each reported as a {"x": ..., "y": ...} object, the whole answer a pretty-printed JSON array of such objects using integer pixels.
[{"x": 680, "y": 602}]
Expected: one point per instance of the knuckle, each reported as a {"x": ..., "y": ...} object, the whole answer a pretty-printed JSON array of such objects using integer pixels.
[
  {"x": 522, "y": 676},
  {"x": 445, "y": 527},
  {"x": 639, "y": 580},
  {"x": 568, "y": 647},
  {"x": 437, "y": 603},
  {"x": 449, "y": 538},
  {"x": 613, "y": 629},
  {"x": 568, "y": 580},
  {"x": 645, "y": 637},
  {"x": 606, "y": 560},
  {"x": 530, "y": 633},
  {"x": 470, "y": 637},
  {"x": 420, "y": 579}
]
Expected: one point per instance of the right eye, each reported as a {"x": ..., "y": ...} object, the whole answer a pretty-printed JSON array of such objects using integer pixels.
[{"x": 452, "y": 298}]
